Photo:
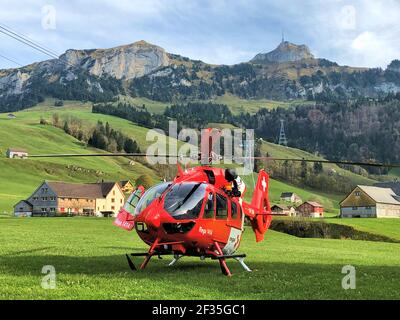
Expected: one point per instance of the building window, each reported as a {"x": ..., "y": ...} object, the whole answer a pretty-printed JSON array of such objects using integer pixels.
[
  {"x": 112, "y": 200},
  {"x": 368, "y": 208},
  {"x": 357, "y": 193},
  {"x": 354, "y": 208},
  {"x": 52, "y": 209},
  {"x": 44, "y": 210},
  {"x": 120, "y": 201},
  {"x": 112, "y": 208},
  {"x": 114, "y": 193}
]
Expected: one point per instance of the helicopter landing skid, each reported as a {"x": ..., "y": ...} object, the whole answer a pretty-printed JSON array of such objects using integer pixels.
[
  {"x": 147, "y": 256},
  {"x": 221, "y": 258}
]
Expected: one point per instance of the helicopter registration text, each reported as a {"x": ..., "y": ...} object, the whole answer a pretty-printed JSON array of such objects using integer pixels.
[{"x": 205, "y": 231}]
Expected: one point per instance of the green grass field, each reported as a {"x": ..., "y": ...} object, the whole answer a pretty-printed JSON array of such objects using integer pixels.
[
  {"x": 88, "y": 256},
  {"x": 386, "y": 227},
  {"x": 235, "y": 104}
]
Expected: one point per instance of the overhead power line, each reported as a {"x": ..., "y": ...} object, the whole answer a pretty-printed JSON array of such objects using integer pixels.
[
  {"x": 11, "y": 60},
  {"x": 26, "y": 38},
  {"x": 4, "y": 31},
  {"x": 31, "y": 43}
]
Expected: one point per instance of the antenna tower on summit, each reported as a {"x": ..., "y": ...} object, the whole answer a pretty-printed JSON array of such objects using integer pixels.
[{"x": 282, "y": 135}]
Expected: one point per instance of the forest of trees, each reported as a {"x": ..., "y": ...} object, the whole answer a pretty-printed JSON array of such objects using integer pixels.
[
  {"x": 362, "y": 131},
  {"x": 101, "y": 136}
]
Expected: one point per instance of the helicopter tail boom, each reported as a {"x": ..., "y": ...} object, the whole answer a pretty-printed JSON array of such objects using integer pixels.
[{"x": 259, "y": 210}]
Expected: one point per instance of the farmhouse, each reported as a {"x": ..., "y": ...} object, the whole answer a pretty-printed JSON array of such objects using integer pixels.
[
  {"x": 16, "y": 153},
  {"x": 126, "y": 186},
  {"x": 290, "y": 197},
  {"x": 11, "y": 116},
  {"x": 310, "y": 209},
  {"x": 283, "y": 210},
  {"x": 62, "y": 199},
  {"x": 370, "y": 202},
  {"x": 23, "y": 209}
]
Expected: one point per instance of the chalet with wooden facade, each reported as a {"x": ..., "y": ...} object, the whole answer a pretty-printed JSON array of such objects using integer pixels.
[
  {"x": 66, "y": 199},
  {"x": 310, "y": 209},
  {"x": 283, "y": 210},
  {"x": 127, "y": 186},
  {"x": 370, "y": 202}
]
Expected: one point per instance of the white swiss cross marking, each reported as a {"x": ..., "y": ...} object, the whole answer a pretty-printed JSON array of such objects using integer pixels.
[{"x": 264, "y": 184}]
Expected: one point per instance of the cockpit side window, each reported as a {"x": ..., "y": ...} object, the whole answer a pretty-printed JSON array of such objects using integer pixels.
[
  {"x": 234, "y": 210},
  {"x": 222, "y": 207},
  {"x": 131, "y": 203},
  {"x": 209, "y": 207}
]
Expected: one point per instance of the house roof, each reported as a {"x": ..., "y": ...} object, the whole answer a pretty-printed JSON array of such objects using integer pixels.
[
  {"x": 76, "y": 190},
  {"x": 314, "y": 204},
  {"x": 380, "y": 195},
  {"x": 395, "y": 186},
  {"x": 25, "y": 201},
  {"x": 280, "y": 206},
  {"x": 286, "y": 194},
  {"x": 123, "y": 183},
  {"x": 17, "y": 150}
]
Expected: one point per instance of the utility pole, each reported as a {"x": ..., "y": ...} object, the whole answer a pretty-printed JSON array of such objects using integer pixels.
[{"x": 282, "y": 135}]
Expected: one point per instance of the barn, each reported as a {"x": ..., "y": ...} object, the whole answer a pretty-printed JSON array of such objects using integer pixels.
[
  {"x": 310, "y": 209},
  {"x": 370, "y": 202}
]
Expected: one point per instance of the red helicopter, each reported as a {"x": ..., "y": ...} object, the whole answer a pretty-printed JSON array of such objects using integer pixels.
[
  {"x": 194, "y": 215},
  {"x": 197, "y": 214}
]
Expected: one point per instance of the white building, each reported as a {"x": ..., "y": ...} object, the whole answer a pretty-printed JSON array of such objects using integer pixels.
[
  {"x": 16, "y": 153},
  {"x": 370, "y": 202}
]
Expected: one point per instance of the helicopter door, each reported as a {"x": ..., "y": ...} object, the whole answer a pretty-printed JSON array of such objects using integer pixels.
[
  {"x": 235, "y": 219},
  {"x": 208, "y": 218},
  {"x": 221, "y": 217},
  {"x": 125, "y": 217}
]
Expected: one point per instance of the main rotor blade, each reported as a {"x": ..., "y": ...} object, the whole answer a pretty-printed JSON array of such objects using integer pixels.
[
  {"x": 72, "y": 155},
  {"x": 356, "y": 163},
  {"x": 141, "y": 155}
]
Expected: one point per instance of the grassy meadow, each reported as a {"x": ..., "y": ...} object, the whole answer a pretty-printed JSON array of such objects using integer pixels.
[{"x": 88, "y": 256}]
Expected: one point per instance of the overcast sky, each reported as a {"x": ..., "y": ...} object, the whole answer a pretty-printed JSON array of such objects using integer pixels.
[{"x": 356, "y": 33}]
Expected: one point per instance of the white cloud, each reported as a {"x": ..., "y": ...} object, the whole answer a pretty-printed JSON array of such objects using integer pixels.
[{"x": 351, "y": 32}]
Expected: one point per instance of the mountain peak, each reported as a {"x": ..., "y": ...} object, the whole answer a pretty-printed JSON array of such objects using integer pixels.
[
  {"x": 123, "y": 62},
  {"x": 285, "y": 52}
]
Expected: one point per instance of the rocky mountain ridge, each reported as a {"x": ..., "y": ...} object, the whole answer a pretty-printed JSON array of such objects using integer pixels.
[{"x": 142, "y": 69}]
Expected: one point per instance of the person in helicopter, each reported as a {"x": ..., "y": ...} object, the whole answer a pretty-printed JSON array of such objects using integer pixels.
[{"x": 236, "y": 186}]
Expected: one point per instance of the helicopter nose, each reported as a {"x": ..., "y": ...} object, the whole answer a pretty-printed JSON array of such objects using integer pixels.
[{"x": 153, "y": 220}]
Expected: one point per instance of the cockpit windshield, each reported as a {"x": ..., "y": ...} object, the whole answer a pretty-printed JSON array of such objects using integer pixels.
[
  {"x": 137, "y": 202},
  {"x": 184, "y": 200}
]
